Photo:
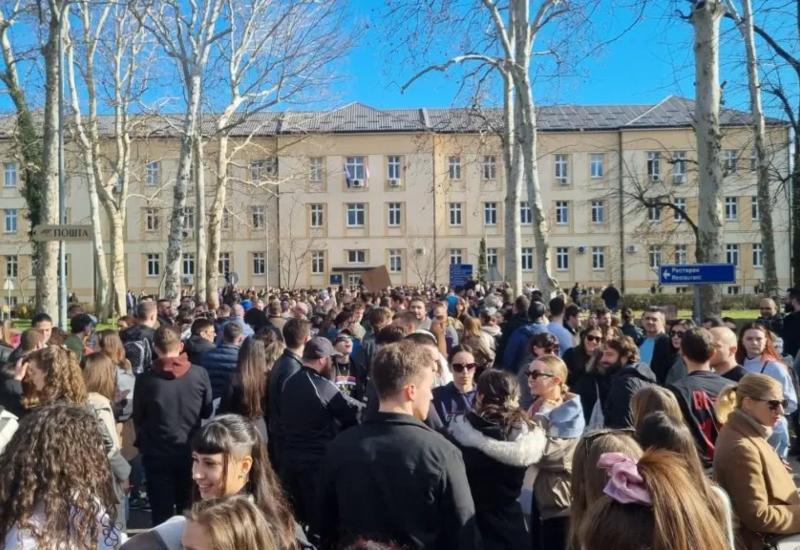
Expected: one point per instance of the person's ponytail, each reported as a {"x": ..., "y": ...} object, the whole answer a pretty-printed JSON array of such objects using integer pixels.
[{"x": 726, "y": 403}]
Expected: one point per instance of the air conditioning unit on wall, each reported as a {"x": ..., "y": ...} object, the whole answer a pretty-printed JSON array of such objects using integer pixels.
[
  {"x": 394, "y": 183},
  {"x": 631, "y": 249},
  {"x": 357, "y": 183},
  {"x": 582, "y": 249}
]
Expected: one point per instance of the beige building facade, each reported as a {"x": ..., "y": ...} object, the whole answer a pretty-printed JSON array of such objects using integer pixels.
[{"x": 318, "y": 198}]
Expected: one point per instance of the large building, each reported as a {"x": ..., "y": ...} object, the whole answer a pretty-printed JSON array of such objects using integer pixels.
[{"x": 317, "y": 197}]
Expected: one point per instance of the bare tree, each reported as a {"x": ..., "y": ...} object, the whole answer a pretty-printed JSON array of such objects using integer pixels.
[{"x": 422, "y": 262}]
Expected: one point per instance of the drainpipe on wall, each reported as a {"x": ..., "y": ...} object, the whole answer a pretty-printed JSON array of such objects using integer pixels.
[{"x": 621, "y": 196}]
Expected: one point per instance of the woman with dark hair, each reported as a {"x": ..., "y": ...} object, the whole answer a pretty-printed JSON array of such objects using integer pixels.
[
  {"x": 55, "y": 484},
  {"x": 677, "y": 369},
  {"x": 247, "y": 391},
  {"x": 579, "y": 358},
  {"x": 498, "y": 443},
  {"x": 456, "y": 397}
]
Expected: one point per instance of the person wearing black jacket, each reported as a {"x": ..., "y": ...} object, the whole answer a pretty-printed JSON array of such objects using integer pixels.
[
  {"x": 621, "y": 360},
  {"x": 169, "y": 402},
  {"x": 519, "y": 318},
  {"x": 313, "y": 412},
  {"x": 655, "y": 350},
  {"x": 791, "y": 323},
  {"x": 393, "y": 478},
  {"x": 201, "y": 340}
]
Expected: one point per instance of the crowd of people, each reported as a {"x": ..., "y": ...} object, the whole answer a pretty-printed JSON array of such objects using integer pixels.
[{"x": 409, "y": 418}]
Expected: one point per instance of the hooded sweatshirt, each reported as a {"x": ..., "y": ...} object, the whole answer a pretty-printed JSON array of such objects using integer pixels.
[{"x": 168, "y": 404}]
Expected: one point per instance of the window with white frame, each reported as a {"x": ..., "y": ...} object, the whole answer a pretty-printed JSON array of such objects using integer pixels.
[
  {"x": 188, "y": 263},
  {"x": 561, "y": 168},
  {"x": 224, "y": 263},
  {"x": 653, "y": 165},
  {"x": 10, "y": 174},
  {"x": 679, "y": 167},
  {"x": 10, "y": 225},
  {"x": 525, "y": 213},
  {"x": 654, "y": 214},
  {"x": 188, "y": 218},
  {"x": 152, "y": 221},
  {"x": 454, "y": 167},
  {"x": 152, "y": 173},
  {"x": 356, "y": 214},
  {"x": 730, "y": 159},
  {"x": 680, "y": 206},
  {"x": 395, "y": 217},
  {"x": 526, "y": 258},
  {"x": 153, "y": 267},
  {"x": 317, "y": 213},
  {"x": 489, "y": 167},
  {"x": 758, "y": 255},
  {"x": 753, "y": 160},
  {"x": 731, "y": 208},
  {"x": 681, "y": 254},
  {"x": 733, "y": 290},
  {"x": 395, "y": 260},
  {"x": 227, "y": 219},
  {"x": 258, "y": 216},
  {"x": 491, "y": 257},
  {"x": 394, "y": 166},
  {"x": 598, "y": 257},
  {"x": 490, "y": 213},
  {"x": 263, "y": 169},
  {"x": 562, "y": 258},
  {"x": 454, "y": 209},
  {"x": 681, "y": 290},
  {"x": 732, "y": 254},
  {"x": 654, "y": 256},
  {"x": 356, "y": 256},
  {"x": 597, "y": 163},
  {"x": 598, "y": 211},
  {"x": 455, "y": 256},
  {"x": 356, "y": 169},
  {"x": 562, "y": 212},
  {"x": 317, "y": 262},
  {"x": 755, "y": 211},
  {"x": 315, "y": 169},
  {"x": 12, "y": 267},
  {"x": 259, "y": 263}
]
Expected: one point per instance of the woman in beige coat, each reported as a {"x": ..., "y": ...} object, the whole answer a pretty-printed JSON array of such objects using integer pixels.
[{"x": 760, "y": 485}]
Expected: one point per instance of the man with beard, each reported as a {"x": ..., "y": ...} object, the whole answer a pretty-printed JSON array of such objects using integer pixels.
[
  {"x": 313, "y": 412},
  {"x": 606, "y": 393}
]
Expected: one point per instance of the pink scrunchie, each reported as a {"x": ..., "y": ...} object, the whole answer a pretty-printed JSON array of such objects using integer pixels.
[{"x": 625, "y": 484}]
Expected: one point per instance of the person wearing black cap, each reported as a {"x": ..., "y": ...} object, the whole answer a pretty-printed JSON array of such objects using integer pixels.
[{"x": 313, "y": 412}]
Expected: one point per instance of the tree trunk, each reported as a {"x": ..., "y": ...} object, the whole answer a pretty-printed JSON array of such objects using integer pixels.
[
  {"x": 511, "y": 156},
  {"x": 795, "y": 193},
  {"x": 200, "y": 208},
  {"x": 215, "y": 225},
  {"x": 120, "y": 285},
  {"x": 705, "y": 20},
  {"x": 102, "y": 295}
]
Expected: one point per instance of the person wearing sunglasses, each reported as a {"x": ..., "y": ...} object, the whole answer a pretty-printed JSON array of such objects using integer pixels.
[
  {"x": 677, "y": 369},
  {"x": 579, "y": 358},
  {"x": 760, "y": 485},
  {"x": 458, "y": 396}
]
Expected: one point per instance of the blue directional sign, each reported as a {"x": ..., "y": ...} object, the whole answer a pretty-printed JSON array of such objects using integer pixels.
[
  {"x": 696, "y": 274},
  {"x": 460, "y": 274},
  {"x": 336, "y": 279}
]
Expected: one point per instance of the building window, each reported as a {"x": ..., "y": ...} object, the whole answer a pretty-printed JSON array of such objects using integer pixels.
[
  {"x": 12, "y": 267},
  {"x": 315, "y": 169},
  {"x": 491, "y": 257},
  {"x": 317, "y": 262},
  {"x": 733, "y": 290},
  {"x": 525, "y": 213},
  {"x": 598, "y": 257},
  {"x": 681, "y": 289},
  {"x": 153, "y": 265},
  {"x": 653, "y": 165},
  {"x": 395, "y": 214},
  {"x": 526, "y": 258},
  {"x": 731, "y": 208},
  {"x": 355, "y": 169},
  {"x": 317, "y": 212},
  {"x": 680, "y": 206},
  {"x": 356, "y": 213},
  {"x": 562, "y": 212},
  {"x": 562, "y": 258},
  {"x": 654, "y": 256},
  {"x": 455, "y": 213},
  {"x": 455, "y": 256},
  {"x": 753, "y": 160},
  {"x": 10, "y": 225},
  {"x": 188, "y": 218},
  {"x": 654, "y": 214},
  {"x": 258, "y": 216},
  {"x": 681, "y": 256},
  {"x": 597, "y": 165},
  {"x": 10, "y": 171},
  {"x": 259, "y": 263},
  {"x": 489, "y": 167},
  {"x": 152, "y": 173},
  {"x": 758, "y": 255},
  {"x": 152, "y": 220},
  {"x": 732, "y": 254},
  {"x": 598, "y": 211},
  {"x": 454, "y": 167},
  {"x": 679, "y": 167},
  {"x": 755, "y": 211},
  {"x": 490, "y": 213},
  {"x": 263, "y": 169},
  {"x": 224, "y": 263},
  {"x": 357, "y": 256},
  {"x": 227, "y": 219},
  {"x": 393, "y": 163},
  {"x": 395, "y": 260},
  {"x": 561, "y": 170},
  {"x": 730, "y": 159},
  {"x": 188, "y": 263}
]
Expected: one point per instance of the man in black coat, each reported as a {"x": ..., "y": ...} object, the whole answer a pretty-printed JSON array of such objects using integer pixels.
[
  {"x": 393, "y": 478},
  {"x": 201, "y": 340},
  {"x": 627, "y": 376},
  {"x": 519, "y": 318},
  {"x": 791, "y": 323},
  {"x": 655, "y": 348}
]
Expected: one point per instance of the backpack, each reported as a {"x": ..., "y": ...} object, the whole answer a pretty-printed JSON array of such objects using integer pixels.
[{"x": 140, "y": 355}]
